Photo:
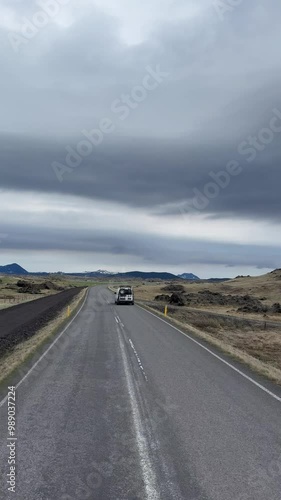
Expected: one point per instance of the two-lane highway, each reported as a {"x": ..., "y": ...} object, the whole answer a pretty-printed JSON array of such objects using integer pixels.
[{"x": 125, "y": 407}]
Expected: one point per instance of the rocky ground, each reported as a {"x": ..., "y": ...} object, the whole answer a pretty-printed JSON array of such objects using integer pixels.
[
  {"x": 243, "y": 303},
  {"x": 242, "y": 314}
]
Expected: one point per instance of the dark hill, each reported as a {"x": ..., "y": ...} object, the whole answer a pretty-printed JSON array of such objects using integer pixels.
[{"x": 13, "y": 269}]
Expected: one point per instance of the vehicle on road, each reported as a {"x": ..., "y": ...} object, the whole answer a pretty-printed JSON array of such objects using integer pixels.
[{"x": 124, "y": 295}]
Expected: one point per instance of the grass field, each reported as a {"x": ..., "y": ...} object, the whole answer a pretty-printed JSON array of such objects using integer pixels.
[
  {"x": 255, "y": 338},
  {"x": 266, "y": 288},
  {"x": 10, "y": 294}
]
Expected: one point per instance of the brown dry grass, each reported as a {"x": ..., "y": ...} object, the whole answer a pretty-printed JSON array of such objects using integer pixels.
[
  {"x": 266, "y": 287},
  {"x": 242, "y": 335},
  {"x": 250, "y": 338},
  {"x": 13, "y": 297},
  {"x": 251, "y": 357}
]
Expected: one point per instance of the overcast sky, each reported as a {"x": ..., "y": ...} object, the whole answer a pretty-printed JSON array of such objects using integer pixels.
[{"x": 141, "y": 135}]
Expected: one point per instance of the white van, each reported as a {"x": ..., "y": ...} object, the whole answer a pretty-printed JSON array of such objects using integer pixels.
[{"x": 124, "y": 295}]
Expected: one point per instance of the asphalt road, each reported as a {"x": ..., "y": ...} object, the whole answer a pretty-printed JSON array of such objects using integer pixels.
[
  {"x": 125, "y": 407},
  {"x": 24, "y": 320}
]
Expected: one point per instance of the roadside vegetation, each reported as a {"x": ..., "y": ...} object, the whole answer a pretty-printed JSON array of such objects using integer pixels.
[
  {"x": 17, "y": 289},
  {"x": 241, "y": 316}
]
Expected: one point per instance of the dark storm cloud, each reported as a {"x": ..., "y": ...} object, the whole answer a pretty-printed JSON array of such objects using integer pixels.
[
  {"x": 224, "y": 82},
  {"x": 149, "y": 248},
  {"x": 149, "y": 174}
]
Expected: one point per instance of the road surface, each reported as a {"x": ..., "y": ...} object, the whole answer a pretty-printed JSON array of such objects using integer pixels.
[
  {"x": 125, "y": 407},
  {"x": 20, "y": 322}
]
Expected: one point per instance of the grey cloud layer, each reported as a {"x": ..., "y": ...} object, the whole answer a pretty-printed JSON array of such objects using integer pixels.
[
  {"x": 70, "y": 77},
  {"x": 152, "y": 250},
  {"x": 224, "y": 82},
  {"x": 149, "y": 174}
]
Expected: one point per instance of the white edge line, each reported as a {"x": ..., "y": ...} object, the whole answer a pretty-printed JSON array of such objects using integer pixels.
[
  {"x": 138, "y": 359},
  {"x": 147, "y": 468},
  {"x": 216, "y": 356},
  {"x": 49, "y": 348}
]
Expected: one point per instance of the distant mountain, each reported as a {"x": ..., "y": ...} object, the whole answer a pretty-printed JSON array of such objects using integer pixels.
[
  {"x": 102, "y": 273},
  {"x": 130, "y": 274},
  {"x": 94, "y": 274},
  {"x": 144, "y": 275},
  {"x": 98, "y": 273},
  {"x": 13, "y": 269},
  {"x": 188, "y": 276}
]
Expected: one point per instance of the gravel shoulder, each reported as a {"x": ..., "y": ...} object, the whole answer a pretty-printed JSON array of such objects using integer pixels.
[{"x": 21, "y": 322}]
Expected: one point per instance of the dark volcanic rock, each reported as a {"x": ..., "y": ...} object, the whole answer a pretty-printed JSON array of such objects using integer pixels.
[
  {"x": 243, "y": 303},
  {"x": 31, "y": 288},
  {"x": 23, "y": 283},
  {"x": 173, "y": 288},
  {"x": 163, "y": 297},
  {"x": 34, "y": 288},
  {"x": 49, "y": 285},
  {"x": 276, "y": 308},
  {"x": 177, "y": 299}
]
